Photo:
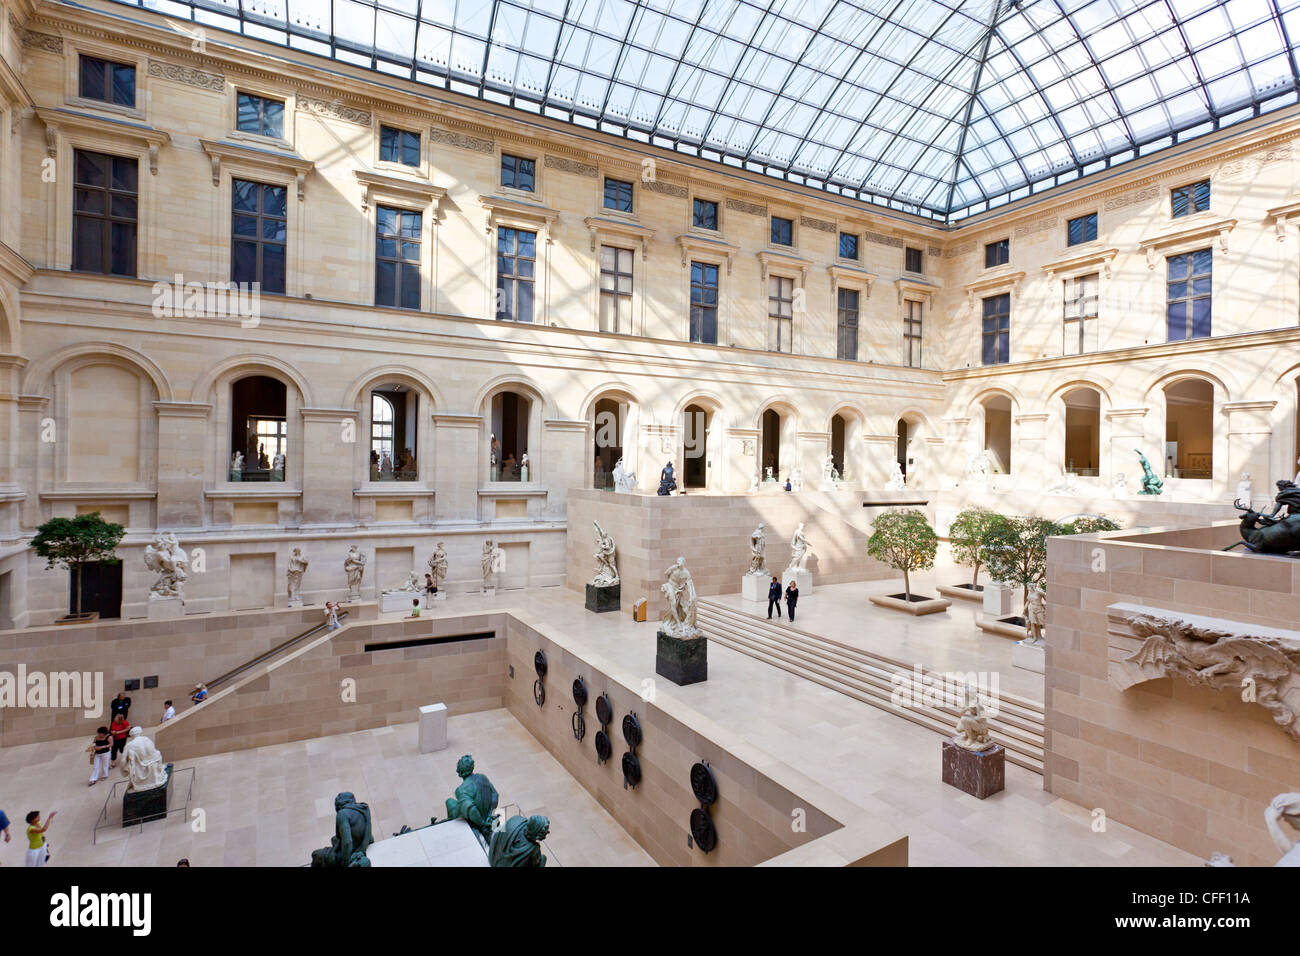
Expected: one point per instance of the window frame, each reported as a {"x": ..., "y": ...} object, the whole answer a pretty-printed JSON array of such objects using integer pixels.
[
  {"x": 111, "y": 66},
  {"x": 841, "y": 312},
  {"x": 920, "y": 257},
  {"x": 107, "y": 219},
  {"x": 773, "y": 219},
  {"x": 631, "y": 195},
  {"x": 258, "y": 239},
  {"x": 616, "y": 294},
  {"x": 999, "y": 251},
  {"x": 533, "y": 189},
  {"x": 717, "y": 214},
  {"x": 857, "y": 247},
  {"x": 264, "y": 97},
  {"x": 913, "y": 324},
  {"x": 1191, "y": 297},
  {"x": 1001, "y": 334},
  {"x": 1082, "y": 318},
  {"x": 1190, "y": 189},
  {"x": 1092, "y": 217},
  {"x": 776, "y": 320},
  {"x": 399, "y": 164},
  {"x": 500, "y": 314},
  {"x": 702, "y": 305},
  {"x": 400, "y": 262}
]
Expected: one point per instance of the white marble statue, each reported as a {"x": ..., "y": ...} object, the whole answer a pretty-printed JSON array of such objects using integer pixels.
[
  {"x": 523, "y": 467},
  {"x": 168, "y": 560},
  {"x": 755, "y": 481},
  {"x": 767, "y": 474},
  {"x": 237, "y": 466},
  {"x": 828, "y": 468},
  {"x": 438, "y": 566},
  {"x": 796, "y": 479},
  {"x": 1284, "y": 808},
  {"x": 624, "y": 480},
  {"x": 297, "y": 565},
  {"x": 978, "y": 465},
  {"x": 1243, "y": 490},
  {"x": 897, "y": 480},
  {"x": 1035, "y": 616},
  {"x": 800, "y": 551},
  {"x": 1120, "y": 487},
  {"x": 1068, "y": 485},
  {"x": 142, "y": 764},
  {"x": 354, "y": 566},
  {"x": 758, "y": 552},
  {"x": 277, "y": 466},
  {"x": 493, "y": 563},
  {"x": 606, "y": 559},
  {"x": 678, "y": 619},
  {"x": 972, "y": 725}
]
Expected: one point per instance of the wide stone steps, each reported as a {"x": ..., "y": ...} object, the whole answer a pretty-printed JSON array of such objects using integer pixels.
[{"x": 871, "y": 678}]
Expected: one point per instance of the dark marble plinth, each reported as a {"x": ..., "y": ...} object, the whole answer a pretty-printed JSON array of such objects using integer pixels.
[
  {"x": 603, "y": 597},
  {"x": 981, "y": 774},
  {"x": 146, "y": 805},
  {"x": 682, "y": 661}
]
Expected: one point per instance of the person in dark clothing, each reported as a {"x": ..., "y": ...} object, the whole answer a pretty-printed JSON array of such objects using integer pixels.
[
  {"x": 774, "y": 597},
  {"x": 121, "y": 704},
  {"x": 791, "y": 598}
]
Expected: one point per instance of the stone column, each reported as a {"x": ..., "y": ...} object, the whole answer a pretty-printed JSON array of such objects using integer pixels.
[
  {"x": 182, "y": 440},
  {"x": 1250, "y": 445},
  {"x": 11, "y": 487},
  {"x": 1029, "y": 465},
  {"x": 566, "y": 463},
  {"x": 328, "y": 435},
  {"x": 456, "y": 455}
]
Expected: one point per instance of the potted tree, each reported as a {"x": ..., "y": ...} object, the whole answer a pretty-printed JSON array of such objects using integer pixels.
[
  {"x": 904, "y": 540},
  {"x": 966, "y": 536},
  {"x": 1015, "y": 553},
  {"x": 73, "y": 543}
]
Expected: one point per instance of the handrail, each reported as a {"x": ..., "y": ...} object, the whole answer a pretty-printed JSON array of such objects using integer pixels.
[{"x": 260, "y": 658}]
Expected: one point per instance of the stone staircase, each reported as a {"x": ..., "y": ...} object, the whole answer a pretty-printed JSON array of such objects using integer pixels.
[{"x": 870, "y": 678}]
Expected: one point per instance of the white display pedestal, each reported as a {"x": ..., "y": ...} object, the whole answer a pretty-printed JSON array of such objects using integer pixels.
[
  {"x": 450, "y": 843},
  {"x": 998, "y": 599},
  {"x": 1030, "y": 657},
  {"x": 802, "y": 578},
  {"x": 164, "y": 609},
  {"x": 400, "y": 601},
  {"x": 753, "y": 587},
  {"x": 433, "y": 728}
]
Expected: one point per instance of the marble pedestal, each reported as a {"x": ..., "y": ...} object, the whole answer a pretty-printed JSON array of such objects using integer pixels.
[
  {"x": 450, "y": 843},
  {"x": 753, "y": 587},
  {"x": 998, "y": 599},
  {"x": 802, "y": 578},
  {"x": 400, "y": 601},
  {"x": 141, "y": 806},
  {"x": 295, "y": 602},
  {"x": 165, "y": 608},
  {"x": 1030, "y": 657},
  {"x": 981, "y": 774},
  {"x": 681, "y": 660},
  {"x": 603, "y": 597},
  {"x": 433, "y": 728}
]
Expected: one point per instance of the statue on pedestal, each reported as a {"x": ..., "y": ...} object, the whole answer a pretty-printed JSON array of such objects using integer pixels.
[
  {"x": 352, "y": 835},
  {"x": 828, "y": 469},
  {"x": 438, "y": 566},
  {"x": 624, "y": 480},
  {"x": 354, "y": 566},
  {"x": 236, "y": 466},
  {"x": 474, "y": 800},
  {"x": 518, "y": 843},
  {"x": 168, "y": 560},
  {"x": 277, "y": 467},
  {"x": 667, "y": 483},
  {"x": 1035, "y": 615},
  {"x": 606, "y": 568},
  {"x": 795, "y": 481},
  {"x": 1243, "y": 491},
  {"x": 142, "y": 764},
  {"x": 493, "y": 562},
  {"x": 1151, "y": 485},
  {"x": 678, "y": 619},
  {"x": 1121, "y": 485},
  {"x": 758, "y": 552},
  {"x": 297, "y": 565},
  {"x": 523, "y": 467},
  {"x": 897, "y": 480},
  {"x": 800, "y": 551},
  {"x": 972, "y": 725}
]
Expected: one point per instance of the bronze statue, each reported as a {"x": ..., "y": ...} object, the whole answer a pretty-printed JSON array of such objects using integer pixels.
[
  {"x": 352, "y": 835},
  {"x": 1151, "y": 485},
  {"x": 667, "y": 483},
  {"x": 518, "y": 843},
  {"x": 475, "y": 799},
  {"x": 1271, "y": 533}
]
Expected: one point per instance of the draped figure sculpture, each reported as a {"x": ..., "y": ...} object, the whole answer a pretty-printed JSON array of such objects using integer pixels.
[
  {"x": 678, "y": 619},
  {"x": 142, "y": 764},
  {"x": 800, "y": 551},
  {"x": 438, "y": 566},
  {"x": 168, "y": 560},
  {"x": 758, "y": 551},
  {"x": 606, "y": 559}
]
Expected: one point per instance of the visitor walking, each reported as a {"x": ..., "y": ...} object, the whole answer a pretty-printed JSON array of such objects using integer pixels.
[
  {"x": 332, "y": 614},
  {"x": 430, "y": 589},
  {"x": 791, "y": 598},
  {"x": 4, "y": 825},
  {"x": 121, "y": 704},
  {"x": 38, "y": 849},
  {"x": 118, "y": 729},
  {"x": 168, "y": 711},
  {"x": 99, "y": 751},
  {"x": 774, "y": 598},
  {"x": 200, "y": 693}
]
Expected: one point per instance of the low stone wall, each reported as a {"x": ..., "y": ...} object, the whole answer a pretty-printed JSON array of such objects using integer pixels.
[
  {"x": 766, "y": 812},
  {"x": 1188, "y": 764},
  {"x": 1130, "y": 511}
]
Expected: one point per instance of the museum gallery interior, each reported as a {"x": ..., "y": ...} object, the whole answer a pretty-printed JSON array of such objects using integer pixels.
[{"x": 538, "y": 433}]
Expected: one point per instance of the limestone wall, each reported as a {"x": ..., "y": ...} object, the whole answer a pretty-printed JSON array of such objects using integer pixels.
[{"x": 1192, "y": 766}]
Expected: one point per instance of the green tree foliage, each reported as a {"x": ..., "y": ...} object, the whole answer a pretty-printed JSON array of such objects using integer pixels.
[
  {"x": 1088, "y": 524},
  {"x": 1015, "y": 551},
  {"x": 73, "y": 543},
  {"x": 966, "y": 536},
  {"x": 904, "y": 540}
]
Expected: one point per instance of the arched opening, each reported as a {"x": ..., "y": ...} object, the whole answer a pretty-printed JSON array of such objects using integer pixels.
[
  {"x": 259, "y": 429},
  {"x": 771, "y": 444},
  {"x": 394, "y": 421},
  {"x": 838, "y": 429},
  {"x": 1189, "y": 429},
  {"x": 900, "y": 446},
  {"x": 609, "y": 421},
  {"x": 997, "y": 432},
  {"x": 508, "y": 441},
  {"x": 1082, "y": 431},
  {"x": 696, "y": 421}
]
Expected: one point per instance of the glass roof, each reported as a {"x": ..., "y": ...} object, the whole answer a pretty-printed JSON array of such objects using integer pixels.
[{"x": 940, "y": 107}]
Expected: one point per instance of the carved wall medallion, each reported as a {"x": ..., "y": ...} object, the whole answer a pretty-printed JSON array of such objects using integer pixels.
[
  {"x": 754, "y": 209},
  {"x": 43, "y": 41},
  {"x": 472, "y": 143},
  {"x": 667, "y": 189},
  {"x": 570, "y": 166},
  {"x": 821, "y": 225},
  {"x": 334, "y": 109},
  {"x": 187, "y": 75}
]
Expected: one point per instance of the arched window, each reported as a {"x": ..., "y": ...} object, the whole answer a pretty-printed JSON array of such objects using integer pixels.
[
  {"x": 1082, "y": 431},
  {"x": 607, "y": 427},
  {"x": 259, "y": 429},
  {"x": 771, "y": 442},
  {"x": 695, "y": 447},
  {"x": 394, "y": 416},
  {"x": 837, "y": 442},
  {"x": 1189, "y": 429},
  {"x": 508, "y": 442},
  {"x": 997, "y": 432}
]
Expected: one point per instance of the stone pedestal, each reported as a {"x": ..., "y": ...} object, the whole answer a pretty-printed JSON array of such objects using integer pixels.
[
  {"x": 603, "y": 597},
  {"x": 802, "y": 578},
  {"x": 998, "y": 599},
  {"x": 141, "y": 806},
  {"x": 1030, "y": 657},
  {"x": 400, "y": 601},
  {"x": 295, "y": 602},
  {"x": 681, "y": 660},
  {"x": 165, "y": 608},
  {"x": 433, "y": 728},
  {"x": 753, "y": 587},
  {"x": 980, "y": 774}
]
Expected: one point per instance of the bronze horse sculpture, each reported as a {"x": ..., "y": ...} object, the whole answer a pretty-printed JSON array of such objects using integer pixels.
[{"x": 1270, "y": 533}]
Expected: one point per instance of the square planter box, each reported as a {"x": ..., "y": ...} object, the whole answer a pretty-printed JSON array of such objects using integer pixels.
[
  {"x": 962, "y": 592},
  {"x": 918, "y": 605},
  {"x": 1013, "y": 627}
]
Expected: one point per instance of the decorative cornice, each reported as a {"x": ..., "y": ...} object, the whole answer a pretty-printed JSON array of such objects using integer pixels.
[
  {"x": 1187, "y": 234},
  {"x": 586, "y": 170},
  {"x": 420, "y": 191},
  {"x": 321, "y": 414},
  {"x": 57, "y": 119},
  {"x": 840, "y": 274},
  {"x": 179, "y": 73},
  {"x": 503, "y": 209},
  {"x": 1009, "y": 281},
  {"x": 452, "y": 420},
  {"x": 821, "y": 225},
  {"x": 473, "y": 144},
  {"x": 47, "y": 42},
  {"x": 564, "y": 425},
  {"x": 183, "y": 409},
  {"x": 717, "y": 247},
  {"x": 781, "y": 260},
  {"x": 750, "y": 208},
  {"x": 334, "y": 109},
  {"x": 598, "y": 226},
  {"x": 224, "y": 151},
  {"x": 1081, "y": 262},
  {"x": 664, "y": 188},
  {"x": 911, "y": 287},
  {"x": 1282, "y": 215}
]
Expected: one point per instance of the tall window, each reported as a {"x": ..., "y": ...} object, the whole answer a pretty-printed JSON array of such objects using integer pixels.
[
  {"x": 107, "y": 81},
  {"x": 848, "y": 245},
  {"x": 259, "y": 115},
  {"x": 105, "y": 207},
  {"x": 518, "y": 173},
  {"x": 704, "y": 303},
  {"x": 1186, "y": 200},
  {"x": 382, "y": 419},
  {"x": 1081, "y": 314},
  {"x": 516, "y": 267},
  {"x": 780, "y": 313},
  {"x": 782, "y": 231},
  {"x": 846, "y": 342},
  {"x": 618, "y": 195},
  {"x": 912, "y": 260},
  {"x": 397, "y": 257},
  {"x": 1188, "y": 298},
  {"x": 258, "y": 233},
  {"x": 1082, "y": 229},
  {"x": 912, "y": 333},
  {"x": 704, "y": 214},
  {"x": 615, "y": 289},
  {"x": 996, "y": 344},
  {"x": 997, "y": 253},
  {"x": 399, "y": 146}
]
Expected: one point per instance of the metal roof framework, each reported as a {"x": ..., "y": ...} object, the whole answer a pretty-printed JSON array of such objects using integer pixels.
[{"x": 942, "y": 108}]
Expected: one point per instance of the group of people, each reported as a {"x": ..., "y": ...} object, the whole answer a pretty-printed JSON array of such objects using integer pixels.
[
  {"x": 383, "y": 468},
  {"x": 774, "y": 597}
]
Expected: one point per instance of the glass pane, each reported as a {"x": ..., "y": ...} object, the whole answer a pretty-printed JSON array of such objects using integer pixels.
[
  {"x": 272, "y": 118},
  {"x": 243, "y": 261},
  {"x": 92, "y": 78},
  {"x": 89, "y": 200},
  {"x": 244, "y": 195},
  {"x": 385, "y": 282},
  {"x": 273, "y": 268},
  {"x": 525, "y": 302},
  {"x": 275, "y": 201},
  {"x": 91, "y": 169},
  {"x": 122, "y": 255},
  {"x": 87, "y": 244},
  {"x": 125, "y": 174},
  {"x": 124, "y": 85},
  {"x": 410, "y": 287}
]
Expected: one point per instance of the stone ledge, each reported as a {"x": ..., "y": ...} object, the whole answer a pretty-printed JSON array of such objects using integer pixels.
[{"x": 916, "y": 608}]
